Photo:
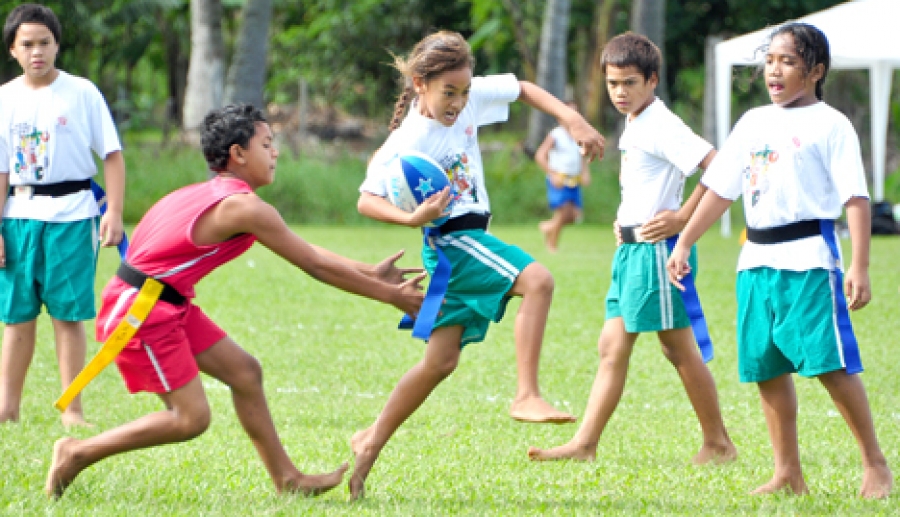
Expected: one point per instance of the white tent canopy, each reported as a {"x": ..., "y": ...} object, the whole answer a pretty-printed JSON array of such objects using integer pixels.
[{"x": 862, "y": 34}]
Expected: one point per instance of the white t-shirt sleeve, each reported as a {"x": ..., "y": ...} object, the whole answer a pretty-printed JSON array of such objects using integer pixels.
[
  {"x": 491, "y": 96},
  {"x": 724, "y": 173},
  {"x": 104, "y": 138},
  {"x": 681, "y": 147},
  {"x": 845, "y": 162}
]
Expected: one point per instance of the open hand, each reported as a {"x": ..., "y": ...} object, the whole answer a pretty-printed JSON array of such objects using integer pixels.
[
  {"x": 662, "y": 226},
  {"x": 387, "y": 270},
  {"x": 432, "y": 208},
  {"x": 409, "y": 295}
]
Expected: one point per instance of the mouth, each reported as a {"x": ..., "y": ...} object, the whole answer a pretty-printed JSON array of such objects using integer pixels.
[
  {"x": 775, "y": 88},
  {"x": 450, "y": 116}
]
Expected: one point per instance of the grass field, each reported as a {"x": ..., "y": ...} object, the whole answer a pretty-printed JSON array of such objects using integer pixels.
[{"x": 331, "y": 359}]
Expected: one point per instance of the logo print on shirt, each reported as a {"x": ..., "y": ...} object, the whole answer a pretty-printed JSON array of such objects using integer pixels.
[{"x": 756, "y": 174}]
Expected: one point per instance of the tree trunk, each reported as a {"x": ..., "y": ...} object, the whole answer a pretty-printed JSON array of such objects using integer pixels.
[
  {"x": 648, "y": 17},
  {"x": 247, "y": 75},
  {"x": 206, "y": 70},
  {"x": 518, "y": 19},
  {"x": 551, "y": 68},
  {"x": 595, "y": 89}
]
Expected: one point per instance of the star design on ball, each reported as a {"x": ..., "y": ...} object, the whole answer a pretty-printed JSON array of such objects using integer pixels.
[{"x": 425, "y": 187}]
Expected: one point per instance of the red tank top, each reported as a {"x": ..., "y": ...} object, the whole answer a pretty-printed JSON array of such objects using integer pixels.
[{"x": 162, "y": 246}]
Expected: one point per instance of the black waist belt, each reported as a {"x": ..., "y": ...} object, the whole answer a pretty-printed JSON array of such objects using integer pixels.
[
  {"x": 786, "y": 233},
  {"x": 470, "y": 221},
  {"x": 62, "y": 188},
  {"x": 136, "y": 278},
  {"x": 628, "y": 234}
]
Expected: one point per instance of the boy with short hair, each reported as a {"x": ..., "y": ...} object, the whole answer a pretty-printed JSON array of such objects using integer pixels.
[
  {"x": 658, "y": 152},
  {"x": 179, "y": 241},
  {"x": 50, "y": 122}
]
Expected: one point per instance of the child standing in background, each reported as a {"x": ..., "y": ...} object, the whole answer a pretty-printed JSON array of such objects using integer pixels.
[
  {"x": 797, "y": 163},
  {"x": 448, "y": 108},
  {"x": 50, "y": 122},
  {"x": 658, "y": 152},
  {"x": 567, "y": 171}
]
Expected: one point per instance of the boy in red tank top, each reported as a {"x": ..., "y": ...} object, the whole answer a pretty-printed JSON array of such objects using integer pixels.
[{"x": 180, "y": 240}]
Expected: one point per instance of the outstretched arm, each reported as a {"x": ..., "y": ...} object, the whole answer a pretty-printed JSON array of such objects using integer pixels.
[
  {"x": 249, "y": 214},
  {"x": 591, "y": 142}
]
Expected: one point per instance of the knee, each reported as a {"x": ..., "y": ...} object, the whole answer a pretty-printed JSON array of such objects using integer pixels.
[
  {"x": 541, "y": 281},
  {"x": 443, "y": 366},
  {"x": 250, "y": 375},
  {"x": 193, "y": 422},
  {"x": 612, "y": 353}
]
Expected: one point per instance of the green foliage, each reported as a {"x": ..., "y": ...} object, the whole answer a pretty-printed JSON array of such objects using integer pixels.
[
  {"x": 322, "y": 187},
  {"x": 331, "y": 359}
]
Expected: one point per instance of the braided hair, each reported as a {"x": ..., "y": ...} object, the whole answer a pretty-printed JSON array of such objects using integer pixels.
[{"x": 439, "y": 52}]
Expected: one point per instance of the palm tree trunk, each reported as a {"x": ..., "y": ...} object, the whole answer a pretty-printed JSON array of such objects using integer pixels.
[
  {"x": 551, "y": 67},
  {"x": 247, "y": 74},
  {"x": 206, "y": 70}
]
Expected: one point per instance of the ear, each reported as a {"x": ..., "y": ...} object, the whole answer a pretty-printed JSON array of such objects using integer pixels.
[
  {"x": 236, "y": 152},
  {"x": 816, "y": 73},
  {"x": 654, "y": 80},
  {"x": 420, "y": 85}
]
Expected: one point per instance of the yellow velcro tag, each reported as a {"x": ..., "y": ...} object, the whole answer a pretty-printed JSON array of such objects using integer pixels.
[{"x": 125, "y": 330}]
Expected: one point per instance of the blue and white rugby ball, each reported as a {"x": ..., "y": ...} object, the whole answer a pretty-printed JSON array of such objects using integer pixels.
[{"x": 414, "y": 177}]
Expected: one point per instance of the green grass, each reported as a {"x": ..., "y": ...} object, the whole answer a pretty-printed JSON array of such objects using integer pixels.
[{"x": 330, "y": 360}]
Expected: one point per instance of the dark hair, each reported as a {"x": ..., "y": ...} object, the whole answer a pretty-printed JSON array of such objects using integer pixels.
[
  {"x": 439, "y": 52},
  {"x": 30, "y": 13},
  {"x": 812, "y": 46},
  {"x": 630, "y": 49},
  {"x": 224, "y": 127}
]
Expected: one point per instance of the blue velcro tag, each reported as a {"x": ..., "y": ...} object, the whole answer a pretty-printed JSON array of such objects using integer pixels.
[
  {"x": 100, "y": 197},
  {"x": 423, "y": 325},
  {"x": 694, "y": 310},
  {"x": 845, "y": 329}
]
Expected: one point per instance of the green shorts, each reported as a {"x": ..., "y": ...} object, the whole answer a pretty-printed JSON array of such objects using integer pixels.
[
  {"x": 786, "y": 324},
  {"x": 50, "y": 264},
  {"x": 640, "y": 292},
  {"x": 483, "y": 269}
]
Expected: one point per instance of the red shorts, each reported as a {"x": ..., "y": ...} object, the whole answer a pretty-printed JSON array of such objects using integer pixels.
[{"x": 160, "y": 357}]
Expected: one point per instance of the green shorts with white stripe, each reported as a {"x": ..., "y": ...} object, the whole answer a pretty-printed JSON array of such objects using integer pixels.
[
  {"x": 484, "y": 268},
  {"x": 640, "y": 292}
]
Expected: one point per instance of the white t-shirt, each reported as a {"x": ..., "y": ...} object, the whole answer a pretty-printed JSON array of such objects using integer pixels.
[
  {"x": 790, "y": 164},
  {"x": 46, "y": 136},
  {"x": 565, "y": 155},
  {"x": 455, "y": 148},
  {"x": 658, "y": 152}
]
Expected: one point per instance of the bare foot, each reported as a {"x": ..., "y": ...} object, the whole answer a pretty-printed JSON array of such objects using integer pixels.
[
  {"x": 74, "y": 420},
  {"x": 63, "y": 469},
  {"x": 877, "y": 482},
  {"x": 568, "y": 451},
  {"x": 715, "y": 454},
  {"x": 536, "y": 410},
  {"x": 546, "y": 227},
  {"x": 793, "y": 485},
  {"x": 10, "y": 418},
  {"x": 312, "y": 485},
  {"x": 365, "y": 455}
]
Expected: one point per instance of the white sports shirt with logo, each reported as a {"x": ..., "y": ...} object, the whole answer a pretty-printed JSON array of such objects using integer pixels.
[
  {"x": 658, "y": 152},
  {"x": 455, "y": 147},
  {"x": 46, "y": 136},
  {"x": 790, "y": 164}
]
